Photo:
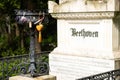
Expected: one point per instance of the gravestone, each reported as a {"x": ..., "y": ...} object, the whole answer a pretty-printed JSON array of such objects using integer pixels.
[{"x": 88, "y": 33}]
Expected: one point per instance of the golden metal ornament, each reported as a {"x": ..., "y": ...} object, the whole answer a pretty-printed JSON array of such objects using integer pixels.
[
  {"x": 40, "y": 37},
  {"x": 39, "y": 28}
]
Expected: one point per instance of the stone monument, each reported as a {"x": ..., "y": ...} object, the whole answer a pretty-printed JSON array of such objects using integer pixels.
[{"x": 88, "y": 33}]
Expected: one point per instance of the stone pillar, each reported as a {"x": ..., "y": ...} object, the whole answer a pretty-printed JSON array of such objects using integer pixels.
[{"x": 88, "y": 38}]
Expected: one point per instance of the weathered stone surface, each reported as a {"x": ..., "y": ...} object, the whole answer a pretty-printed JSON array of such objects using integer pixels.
[
  {"x": 83, "y": 6},
  {"x": 46, "y": 77},
  {"x": 68, "y": 67},
  {"x": 88, "y": 33}
]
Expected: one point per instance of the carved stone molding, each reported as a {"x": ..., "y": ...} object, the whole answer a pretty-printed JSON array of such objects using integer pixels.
[{"x": 86, "y": 15}]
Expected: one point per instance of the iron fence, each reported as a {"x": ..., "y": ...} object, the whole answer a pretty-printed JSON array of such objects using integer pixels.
[
  {"x": 111, "y": 75},
  {"x": 18, "y": 65}
]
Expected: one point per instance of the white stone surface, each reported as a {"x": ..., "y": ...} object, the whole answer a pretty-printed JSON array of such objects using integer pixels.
[
  {"x": 83, "y": 6},
  {"x": 67, "y": 67},
  {"x": 88, "y": 38},
  {"x": 45, "y": 77},
  {"x": 79, "y": 55},
  {"x": 100, "y": 47}
]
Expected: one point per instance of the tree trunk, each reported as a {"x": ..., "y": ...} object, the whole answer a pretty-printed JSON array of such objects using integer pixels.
[
  {"x": 37, "y": 45},
  {"x": 9, "y": 36},
  {"x": 17, "y": 32},
  {"x": 21, "y": 36}
]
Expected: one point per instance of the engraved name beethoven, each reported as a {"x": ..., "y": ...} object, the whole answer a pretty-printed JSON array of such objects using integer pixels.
[{"x": 83, "y": 33}]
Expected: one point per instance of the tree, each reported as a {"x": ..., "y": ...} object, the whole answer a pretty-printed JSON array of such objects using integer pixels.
[{"x": 13, "y": 35}]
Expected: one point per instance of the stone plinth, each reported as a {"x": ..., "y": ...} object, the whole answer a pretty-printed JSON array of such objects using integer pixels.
[
  {"x": 88, "y": 33},
  {"x": 68, "y": 67},
  {"x": 46, "y": 77}
]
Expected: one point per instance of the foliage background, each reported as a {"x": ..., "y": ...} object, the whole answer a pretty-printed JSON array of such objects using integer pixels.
[{"x": 14, "y": 38}]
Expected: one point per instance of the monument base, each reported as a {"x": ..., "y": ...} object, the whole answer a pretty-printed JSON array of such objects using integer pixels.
[
  {"x": 46, "y": 77},
  {"x": 69, "y": 67}
]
